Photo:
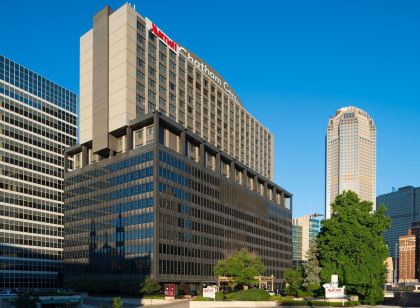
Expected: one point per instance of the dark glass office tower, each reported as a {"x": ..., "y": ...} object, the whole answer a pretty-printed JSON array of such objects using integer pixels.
[
  {"x": 170, "y": 207},
  {"x": 38, "y": 120}
]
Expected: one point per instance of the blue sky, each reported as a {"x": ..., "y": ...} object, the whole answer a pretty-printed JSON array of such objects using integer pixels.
[{"x": 292, "y": 63}]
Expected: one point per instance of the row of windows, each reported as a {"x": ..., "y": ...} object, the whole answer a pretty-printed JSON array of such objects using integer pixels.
[
  {"x": 171, "y": 267},
  {"x": 113, "y": 167},
  {"x": 28, "y": 240},
  {"x": 28, "y": 265},
  {"x": 133, "y": 205},
  {"x": 30, "y": 189},
  {"x": 28, "y": 113},
  {"x": 30, "y": 253},
  {"x": 31, "y": 177},
  {"x": 37, "y": 129},
  {"x": 33, "y": 228},
  {"x": 32, "y": 152},
  {"x": 30, "y": 202},
  {"x": 111, "y": 182},
  {"x": 27, "y": 280},
  {"x": 31, "y": 82},
  {"x": 190, "y": 252},
  {"x": 133, "y": 220},
  {"x": 26, "y": 214},
  {"x": 31, "y": 138}
]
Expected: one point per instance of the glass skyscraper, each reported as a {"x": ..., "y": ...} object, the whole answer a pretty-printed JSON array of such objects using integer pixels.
[
  {"x": 305, "y": 230},
  {"x": 403, "y": 207},
  {"x": 38, "y": 120}
]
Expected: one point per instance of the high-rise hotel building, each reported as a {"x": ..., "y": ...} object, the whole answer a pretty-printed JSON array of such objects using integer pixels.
[
  {"x": 350, "y": 156},
  {"x": 38, "y": 120},
  {"x": 171, "y": 173}
]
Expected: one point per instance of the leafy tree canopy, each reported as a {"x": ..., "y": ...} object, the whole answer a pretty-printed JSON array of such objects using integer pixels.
[
  {"x": 351, "y": 245},
  {"x": 150, "y": 286},
  {"x": 312, "y": 269},
  {"x": 293, "y": 277},
  {"x": 242, "y": 267}
]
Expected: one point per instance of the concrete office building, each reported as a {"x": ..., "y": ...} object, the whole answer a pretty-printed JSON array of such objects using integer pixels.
[
  {"x": 403, "y": 207},
  {"x": 38, "y": 120},
  {"x": 306, "y": 229},
  {"x": 171, "y": 173},
  {"x": 350, "y": 156}
]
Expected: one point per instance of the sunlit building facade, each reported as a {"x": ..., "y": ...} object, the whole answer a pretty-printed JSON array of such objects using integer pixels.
[
  {"x": 171, "y": 173},
  {"x": 38, "y": 120},
  {"x": 350, "y": 156}
]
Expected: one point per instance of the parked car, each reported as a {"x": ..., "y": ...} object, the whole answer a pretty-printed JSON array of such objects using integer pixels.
[{"x": 7, "y": 292}]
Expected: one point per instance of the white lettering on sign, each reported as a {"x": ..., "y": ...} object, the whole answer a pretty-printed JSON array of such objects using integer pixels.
[
  {"x": 209, "y": 292},
  {"x": 203, "y": 68},
  {"x": 335, "y": 293}
]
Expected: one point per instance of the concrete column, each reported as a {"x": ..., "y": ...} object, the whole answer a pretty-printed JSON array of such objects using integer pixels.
[
  {"x": 218, "y": 169},
  {"x": 265, "y": 189},
  {"x": 256, "y": 184},
  {"x": 291, "y": 203},
  {"x": 111, "y": 153},
  {"x": 183, "y": 144},
  {"x": 156, "y": 127},
  {"x": 245, "y": 177},
  {"x": 232, "y": 170},
  {"x": 283, "y": 200},
  {"x": 202, "y": 155},
  {"x": 85, "y": 158},
  {"x": 129, "y": 138},
  {"x": 66, "y": 162}
]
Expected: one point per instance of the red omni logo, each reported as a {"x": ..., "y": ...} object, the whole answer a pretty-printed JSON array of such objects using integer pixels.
[{"x": 170, "y": 43}]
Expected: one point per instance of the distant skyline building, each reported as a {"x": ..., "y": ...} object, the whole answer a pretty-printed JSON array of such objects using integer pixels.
[
  {"x": 305, "y": 230},
  {"x": 350, "y": 156},
  {"x": 407, "y": 258},
  {"x": 171, "y": 173},
  {"x": 38, "y": 121},
  {"x": 403, "y": 207}
]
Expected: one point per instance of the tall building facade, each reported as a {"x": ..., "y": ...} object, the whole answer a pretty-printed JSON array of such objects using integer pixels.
[
  {"x": 143, "y": 70},
  {"x": 171, "y": 173},
  {"x": 305, "y": 231},
  {"x": 350, "y": 156},
  {"x": 38, "y": 120},
  {"x": 407, "y": 259},
  {"x": 403, "y": 207}
]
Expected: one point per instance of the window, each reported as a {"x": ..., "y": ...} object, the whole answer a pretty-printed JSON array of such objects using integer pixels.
[{"x": 138, "y": 138}]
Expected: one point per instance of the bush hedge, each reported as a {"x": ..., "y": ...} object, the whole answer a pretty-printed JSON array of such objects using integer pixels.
[
  {"x": 220, "y": 296},
  {"x": 201, "y": 298},
  {"x": 249, "y": 295},
  {"x": 318, "y": 303}
]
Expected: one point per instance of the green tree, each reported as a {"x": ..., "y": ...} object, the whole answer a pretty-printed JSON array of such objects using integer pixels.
[
  {"x": 150, "y": 286},
  {"x": 311, "y": 269},
  {"x": 351, "y": 245},
  {"x": 25, "y": 299},
  {"x": 117, "y": 302},
  {"x": 293, "y": 278},
  {"x": 242, "y": 267}
]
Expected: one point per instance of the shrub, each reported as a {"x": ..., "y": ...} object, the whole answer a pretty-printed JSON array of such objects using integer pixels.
[
  {"x": 150, "y": 286},
  {"x": 200, "y": 298},
  {"x": 220, "y": 296},
  {"x": 249, "y": 295},
  {"x": 117, "y": 302},
  {"x": 318, "y": 303},
  {"x": 301, "y": 293}
]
